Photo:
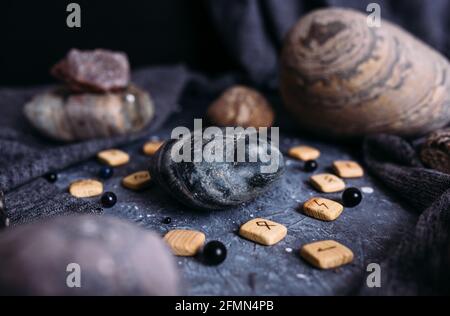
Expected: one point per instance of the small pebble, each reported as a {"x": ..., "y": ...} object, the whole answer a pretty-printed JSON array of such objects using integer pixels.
[
  {"x": 167, "y": 220},
  {"x": 51, "y": 177},
  {"x": 289, "y": 250},
  {"x": 302, "y": 276},
  {"x": 367, "y": 190},
  {"x": 310, "y": 166},
  {"x": 109, "y": 199},
  {"x": 351, "y": 197},
  {"x": 214, "y": 253},
  {"x": 106, "y": 173}
]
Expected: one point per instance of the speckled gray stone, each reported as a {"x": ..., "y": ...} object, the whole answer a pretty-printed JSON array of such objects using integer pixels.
[{"x": 215, "y": 185}]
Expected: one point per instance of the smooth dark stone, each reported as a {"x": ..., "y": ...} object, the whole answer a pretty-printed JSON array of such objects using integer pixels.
[
  {"x": 310, "y": 166},
  {"x": 351, "y": 197},
  {"x": 214, "y": 253},
  {"x": 167, "y": 220},
  {"x": 213, "y": 185},
  {"x": 51, "y": 177},
  {"x": 106, "y": 173},
  {"x": 109, "y": 199}
]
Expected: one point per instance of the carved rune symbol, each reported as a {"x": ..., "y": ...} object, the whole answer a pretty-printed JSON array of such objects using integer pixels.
[
  {"x": 264, "y": 223},
  {"x": 325, "y": 249},
  {"x": 320, "y": 204},
  {"x": 329, "y": 179}
]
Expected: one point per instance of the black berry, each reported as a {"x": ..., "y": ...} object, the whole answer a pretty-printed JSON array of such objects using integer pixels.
[
  {"x": 51, "y": 177},
  {"x": 214, "y": 253},
  {"x": 351, "y": 197},
  {"x": 310, "y": 166},
  {"x": 167, "y": 220},
  {"x": 106, "y": 173},
  {"x": 109, "y": 199}
]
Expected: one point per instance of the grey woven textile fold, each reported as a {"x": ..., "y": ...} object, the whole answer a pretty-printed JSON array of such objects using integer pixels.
[{"x": 419, "y": 265}]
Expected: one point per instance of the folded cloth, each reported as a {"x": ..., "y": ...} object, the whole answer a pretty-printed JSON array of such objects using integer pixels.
[{"x": 420, "y": 263}]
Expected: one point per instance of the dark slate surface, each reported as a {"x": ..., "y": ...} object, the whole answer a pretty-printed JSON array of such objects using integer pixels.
[{"x": 370, "y": 230}]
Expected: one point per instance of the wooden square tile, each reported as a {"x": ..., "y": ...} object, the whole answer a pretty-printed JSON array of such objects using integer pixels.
[
  {"x": 326, "y": 254},
  {"x": 86, "y": 188},
  {"x": 150, "y": 148},
  {"x": 327, "y": 183},
  {"x": 304, "y": 153},
  {"x": 185, "y": 243},
  {"x": 113, "y": 157},
  {"x": 348, "y": 169},
  {"x": 263, "y": 231},
  {"x": 323, "y": 209},
  {"x": 137, "y": 181}
]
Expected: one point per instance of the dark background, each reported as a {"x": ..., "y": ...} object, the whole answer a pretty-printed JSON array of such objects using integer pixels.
[{"x": 34, "y": 35}]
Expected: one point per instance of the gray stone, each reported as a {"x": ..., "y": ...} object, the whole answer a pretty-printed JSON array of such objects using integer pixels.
[
  {"x": 114, "y": 257},
  {"x": 213, "y": 183},
  {"x": 64, "y": 116}
]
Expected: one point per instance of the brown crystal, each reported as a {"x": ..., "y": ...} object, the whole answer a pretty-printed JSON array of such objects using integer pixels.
[{"x": 241, "y": 106}]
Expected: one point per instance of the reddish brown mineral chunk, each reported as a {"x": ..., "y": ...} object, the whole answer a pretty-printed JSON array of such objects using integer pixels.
[{"x": 94, "y": 71}]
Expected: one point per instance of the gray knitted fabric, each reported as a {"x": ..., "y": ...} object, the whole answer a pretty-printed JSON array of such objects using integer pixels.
[{"x": 419, "y": 265}]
